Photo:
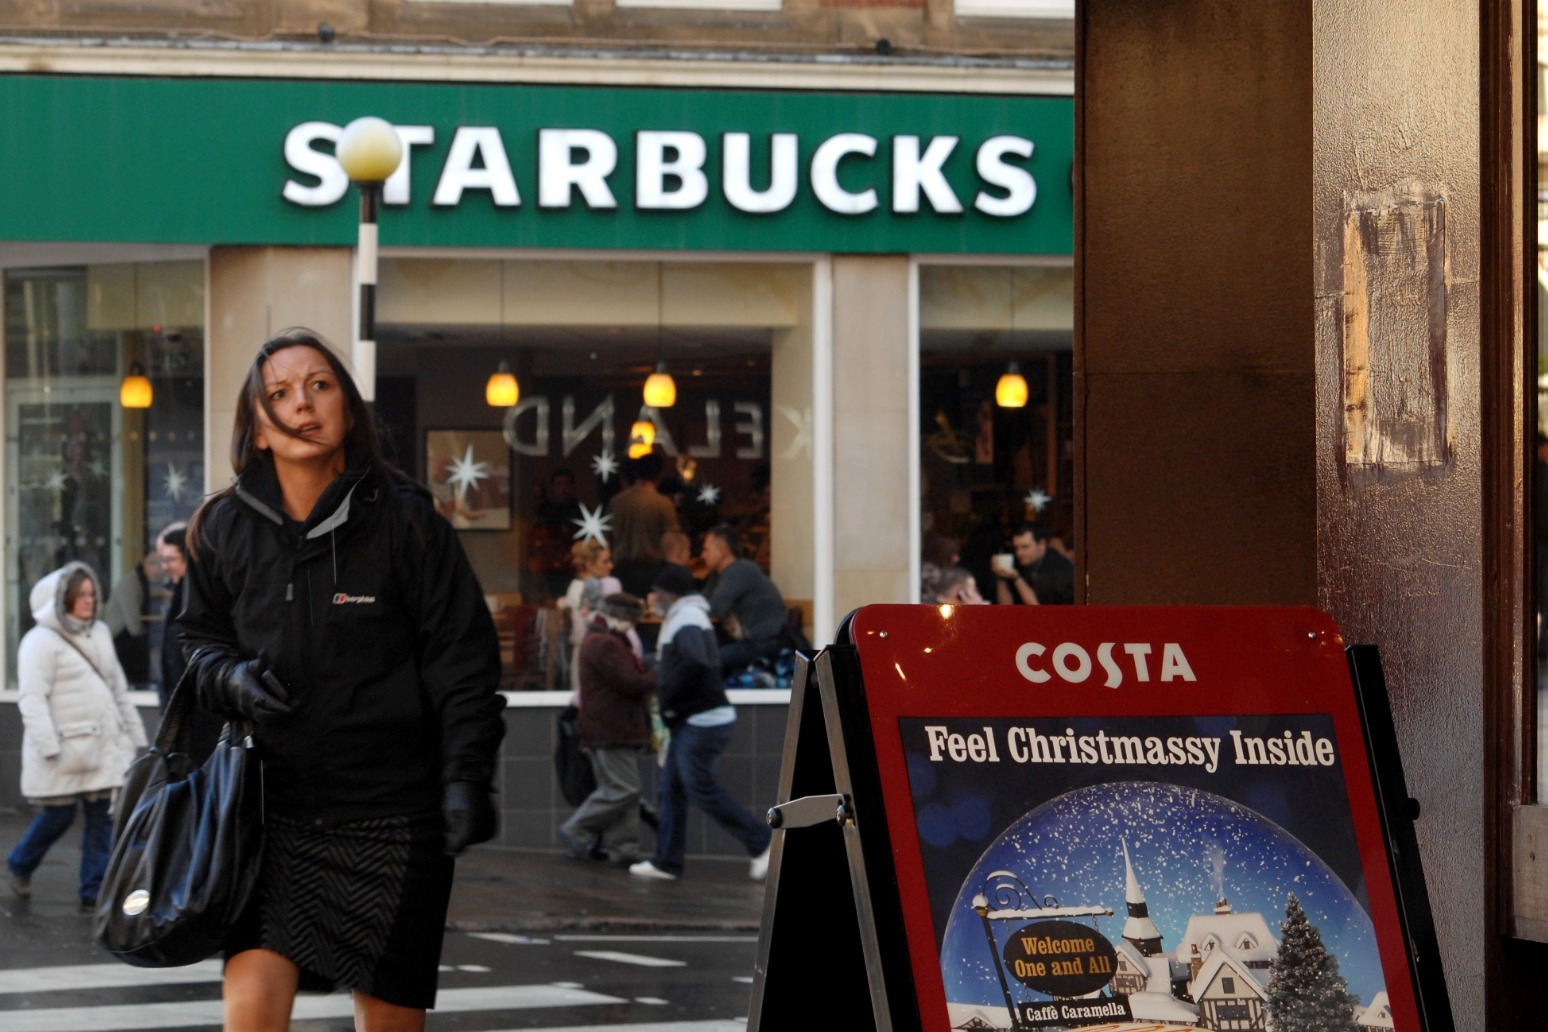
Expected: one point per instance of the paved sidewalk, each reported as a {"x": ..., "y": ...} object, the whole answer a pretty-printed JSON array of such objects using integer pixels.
[
  {"x": 517, "y": 890},
  {"x": 510, "y": 890}
]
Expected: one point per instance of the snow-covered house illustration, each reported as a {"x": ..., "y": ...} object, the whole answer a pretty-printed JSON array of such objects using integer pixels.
[
  {"x": 1245, "y": 936},
  {"x": 1217, "y": 977},
  {"x": 1377, "y": 1017},
  {"x": 975, "y": 1021},
  {"x": 1228, "y": 994}
]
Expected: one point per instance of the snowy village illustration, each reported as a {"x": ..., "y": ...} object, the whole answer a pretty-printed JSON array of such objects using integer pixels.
[{"x": 1299, "y": 956}]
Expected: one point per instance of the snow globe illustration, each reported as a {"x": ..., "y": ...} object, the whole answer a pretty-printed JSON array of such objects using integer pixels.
[{"x": 1190, "y": 888}]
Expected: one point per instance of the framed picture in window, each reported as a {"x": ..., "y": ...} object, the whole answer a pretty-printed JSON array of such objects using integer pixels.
[{"x": 469, "y": 473}]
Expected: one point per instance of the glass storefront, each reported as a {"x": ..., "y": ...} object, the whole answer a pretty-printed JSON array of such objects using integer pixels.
[
  {"x": 525, "y": 481},
  {"x": 996, "y": 440},
  {"x": 86, "y": 478},
  {"x": 90, "y": 479}
]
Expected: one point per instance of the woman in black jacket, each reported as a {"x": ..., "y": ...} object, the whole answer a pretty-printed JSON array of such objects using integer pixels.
[{"x": 328, "y": 603}]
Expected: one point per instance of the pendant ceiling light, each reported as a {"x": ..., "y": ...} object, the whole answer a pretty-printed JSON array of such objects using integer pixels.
[
  {"x": 135, "y": 392},
  {"x": 660, "y": 388},
  {"x": 642, "y": 435},
  {"x": 502, "y": 390},
  {"x": 1011, "y": 391},
  {"x": 643, "y": 431}
]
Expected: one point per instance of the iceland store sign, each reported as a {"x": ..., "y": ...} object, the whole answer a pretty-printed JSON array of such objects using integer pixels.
[{"x": 545, "y": 166}]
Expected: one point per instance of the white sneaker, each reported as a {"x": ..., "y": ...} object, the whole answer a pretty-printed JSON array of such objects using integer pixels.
[
  {"x": 760, "y": 865},
  {"x": 646, "y": 869}
]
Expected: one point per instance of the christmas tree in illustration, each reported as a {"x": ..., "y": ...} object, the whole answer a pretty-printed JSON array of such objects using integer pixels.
[{"x": 1305, "y": 991}]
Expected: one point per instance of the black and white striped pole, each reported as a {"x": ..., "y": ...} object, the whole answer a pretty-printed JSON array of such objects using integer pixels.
[{"x": 369, "y": 151}]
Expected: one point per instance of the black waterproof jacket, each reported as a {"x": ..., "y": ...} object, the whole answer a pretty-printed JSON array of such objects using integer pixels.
[{"x": 372, "y": 618}]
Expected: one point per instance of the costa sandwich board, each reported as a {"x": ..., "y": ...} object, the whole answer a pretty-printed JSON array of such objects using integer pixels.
[{"x": 1094, "y": 818}]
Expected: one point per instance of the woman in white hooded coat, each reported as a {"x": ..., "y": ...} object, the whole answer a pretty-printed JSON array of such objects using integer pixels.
[{"x": 81, "y": 730}]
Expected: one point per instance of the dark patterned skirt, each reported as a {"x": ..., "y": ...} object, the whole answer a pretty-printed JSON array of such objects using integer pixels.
[{"x": 358, "y": 906}]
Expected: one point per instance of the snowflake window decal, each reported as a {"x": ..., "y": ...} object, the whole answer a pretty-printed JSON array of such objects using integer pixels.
[
  {"x": 593, "y": 525},
  {"x": 604, "y": 465},
  {"x": 464, "y": 473}
]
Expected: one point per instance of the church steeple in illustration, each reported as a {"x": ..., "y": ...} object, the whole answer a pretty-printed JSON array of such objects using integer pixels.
[{"x": 1139, "y": 929}]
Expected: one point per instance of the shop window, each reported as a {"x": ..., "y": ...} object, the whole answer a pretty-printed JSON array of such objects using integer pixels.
[
  {"x": 88, "y": 479},
  {"x": 524, "y": 482},
  {"x": 996, "y": 422}
]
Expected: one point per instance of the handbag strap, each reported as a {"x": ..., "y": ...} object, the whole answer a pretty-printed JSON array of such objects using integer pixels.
[
  {"x": 176, "y": 727},
  {"x": 82, "y": 653}
]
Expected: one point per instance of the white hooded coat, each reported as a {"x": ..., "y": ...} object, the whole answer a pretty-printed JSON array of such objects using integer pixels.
[{"x": 82, "y": 732}]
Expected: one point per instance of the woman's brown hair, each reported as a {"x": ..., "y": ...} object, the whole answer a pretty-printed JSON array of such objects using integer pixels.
[{"x": 361, "y": 436}]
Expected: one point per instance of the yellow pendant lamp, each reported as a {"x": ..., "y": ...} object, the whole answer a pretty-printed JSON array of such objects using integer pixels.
[
  {"x": 502, "y": 390},
  {"x": 660, "y": 388},
  {"x": 642, "y": 435},
  {"x": 643, "y": 431},
  {"x": 135, "y": 392},
  {"x": 1011, "y": 391}
]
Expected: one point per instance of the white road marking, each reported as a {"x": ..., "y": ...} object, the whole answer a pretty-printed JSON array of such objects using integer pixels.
[
  {"x": 103, "y": 976},
  {"x": 713, "y": 1025},
  {"x": 507, "y": 937},
  {"x": 118, "y": 1017},
  {"x": 630, "y": 958},
  {"x": 655, "y": 938}
]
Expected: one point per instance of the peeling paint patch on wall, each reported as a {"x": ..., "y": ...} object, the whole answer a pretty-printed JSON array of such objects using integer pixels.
[{"x": 1394, "y": 330}]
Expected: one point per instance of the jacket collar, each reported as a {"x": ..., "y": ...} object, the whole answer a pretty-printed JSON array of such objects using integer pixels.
[
  {"x": 687, "y": 611},
  {"x": 258, "y": 487}
]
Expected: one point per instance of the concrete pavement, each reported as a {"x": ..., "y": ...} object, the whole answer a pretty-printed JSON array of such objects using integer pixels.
[{"x": 507, "y": 890}]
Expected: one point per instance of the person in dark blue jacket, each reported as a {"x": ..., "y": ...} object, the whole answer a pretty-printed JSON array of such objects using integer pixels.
[
  {"x": 331, "y": 606},
  {"x": 692, "y": 697}
]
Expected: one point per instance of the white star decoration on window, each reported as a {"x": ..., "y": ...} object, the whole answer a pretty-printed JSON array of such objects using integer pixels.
[
  {"x": 1038, "y": 499},
  {"x": 709, "y": 494},
  {"x": 97, "y": 468},
  {"x": 465, "y": 473},
  {"x": 593, "y": 525},
  {"x": 604, "y": 466},
  {"x": 174, "y": 482},
  {"x": 55, "y": 481}
]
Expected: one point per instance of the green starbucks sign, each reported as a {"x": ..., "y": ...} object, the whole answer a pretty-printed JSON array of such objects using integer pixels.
[{"x": 251, "y": 162}]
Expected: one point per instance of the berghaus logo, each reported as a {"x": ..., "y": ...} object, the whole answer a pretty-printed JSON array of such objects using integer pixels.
[{"x": 342, "y": 599}]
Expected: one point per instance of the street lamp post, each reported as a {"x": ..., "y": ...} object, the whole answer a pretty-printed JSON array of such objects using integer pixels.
[{"x": 369, "y": 151}]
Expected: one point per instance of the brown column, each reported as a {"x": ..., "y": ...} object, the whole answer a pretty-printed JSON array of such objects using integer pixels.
[
  {"x": 1194, "y": 360},
  {"x": 1279, "y": 345}
]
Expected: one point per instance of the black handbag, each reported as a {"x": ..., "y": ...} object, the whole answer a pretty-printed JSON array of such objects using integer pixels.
[
  {"x": 576, "y": 778},
  {"x": 187, "y": 842}
]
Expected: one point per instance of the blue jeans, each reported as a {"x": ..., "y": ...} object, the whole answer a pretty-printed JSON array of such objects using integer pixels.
[
  {"x": 46, "y": 829},
  {"x": 689, "y": 777}
]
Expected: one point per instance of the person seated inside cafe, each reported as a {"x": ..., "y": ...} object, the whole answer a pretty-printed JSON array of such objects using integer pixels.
[
  {"x": 750, "y": 608},
  {"x": 1035, "y": 575}
]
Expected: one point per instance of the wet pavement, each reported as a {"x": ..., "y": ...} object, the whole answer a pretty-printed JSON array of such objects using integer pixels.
[{"x": 496, "y": 890}]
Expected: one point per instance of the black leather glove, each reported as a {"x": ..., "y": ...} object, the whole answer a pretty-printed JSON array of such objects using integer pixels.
[
  {"x": 250, "y": 688},
  {"x": 469, "y": 814}
]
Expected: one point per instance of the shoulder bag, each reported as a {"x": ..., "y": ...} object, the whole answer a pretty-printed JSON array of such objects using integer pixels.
[
  {"x": 187, "y": 845},
  {"x": 571, "y": 764}
]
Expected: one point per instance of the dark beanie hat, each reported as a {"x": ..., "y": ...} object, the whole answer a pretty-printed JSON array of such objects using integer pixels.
[
  {"x": 675, "y": 580},
  {"x": 621, "y": 605}
]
